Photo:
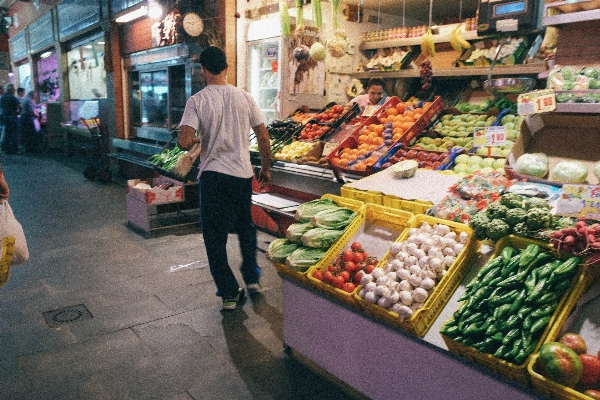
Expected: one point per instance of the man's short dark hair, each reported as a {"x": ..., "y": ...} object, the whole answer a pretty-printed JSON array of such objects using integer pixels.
[
  {"x": 376, "y": 82},
  {"x": 213, "y": 59}
]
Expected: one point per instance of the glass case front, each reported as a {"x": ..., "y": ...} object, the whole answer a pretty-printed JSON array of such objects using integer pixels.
[
  {"x": 157, "y": 97},
  {"x": 87, "y": 76}
]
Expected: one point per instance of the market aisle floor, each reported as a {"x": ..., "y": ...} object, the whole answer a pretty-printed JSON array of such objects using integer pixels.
[{"x": 155, "y": 332}]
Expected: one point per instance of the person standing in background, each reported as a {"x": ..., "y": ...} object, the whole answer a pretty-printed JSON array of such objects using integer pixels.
[
  {"x": 2, "y": 91},
  {"x": 374, "y": 96},
  {"x": 20, "y": 93},
  {"x": 29, "y": 123},
  {"x": 224, "y": 115},
  {"x": 10, "y": 110}
]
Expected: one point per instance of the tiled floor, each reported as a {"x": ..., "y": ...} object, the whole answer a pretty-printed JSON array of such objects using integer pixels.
[{"x": 156, "y": 331}]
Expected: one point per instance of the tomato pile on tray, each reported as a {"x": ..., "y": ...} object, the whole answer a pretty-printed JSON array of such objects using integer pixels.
[
  {"x": 346, "y": 271},
  {"x": 331, "y": 114}
]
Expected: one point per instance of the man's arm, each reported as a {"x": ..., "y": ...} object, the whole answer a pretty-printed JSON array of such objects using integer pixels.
[
  {"x": 264, "y": 148},
  {"x": 186, "y": 137}
]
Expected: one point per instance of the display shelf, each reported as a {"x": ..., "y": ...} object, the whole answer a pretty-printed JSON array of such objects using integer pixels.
[
  {"x": 380, "y": 361},
  {"x": 568, "y": 18},
  {"x": 499, "y": 70},
  {"x": 414, "y": 41},
  {"x": 583, "y": 108}
]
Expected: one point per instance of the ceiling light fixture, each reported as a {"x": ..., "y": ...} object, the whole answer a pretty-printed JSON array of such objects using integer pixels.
[{"x": 135, "y": 14}]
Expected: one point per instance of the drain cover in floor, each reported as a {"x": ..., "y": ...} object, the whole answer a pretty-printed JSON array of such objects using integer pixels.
[{"x": 65, "y": 315}]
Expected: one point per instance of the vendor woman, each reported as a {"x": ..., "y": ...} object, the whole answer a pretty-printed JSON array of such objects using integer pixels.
[{"x": 374, "y": 96}]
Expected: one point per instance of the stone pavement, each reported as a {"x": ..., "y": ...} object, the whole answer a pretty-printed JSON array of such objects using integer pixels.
[{"x": 100, "y": 312}]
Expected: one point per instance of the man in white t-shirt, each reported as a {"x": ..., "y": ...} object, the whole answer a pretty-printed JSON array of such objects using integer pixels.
[{"x": 223, "y": 116}]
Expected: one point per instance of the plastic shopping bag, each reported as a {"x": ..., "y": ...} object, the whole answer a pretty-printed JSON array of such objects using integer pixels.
[{"x": 10, "y": 227}]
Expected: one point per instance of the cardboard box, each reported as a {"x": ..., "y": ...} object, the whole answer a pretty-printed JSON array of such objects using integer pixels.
[
  {"x": 561, "y": 137},
  {"x": 156, "y": 195}
]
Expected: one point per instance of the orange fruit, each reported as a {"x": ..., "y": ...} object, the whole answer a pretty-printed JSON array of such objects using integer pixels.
[
  {"x": 363, "y": 138},
  {"x": 391, "y": 111},
  {"x": 378, "y": 141}
]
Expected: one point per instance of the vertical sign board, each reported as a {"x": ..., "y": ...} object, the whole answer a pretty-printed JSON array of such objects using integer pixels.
[
  {"x": 18, "y": 45},
  {"x": 76, "y": 15},
  {"x": 41, "y": 33}
]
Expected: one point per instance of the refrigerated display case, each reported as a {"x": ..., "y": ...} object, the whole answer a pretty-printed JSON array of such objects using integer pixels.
[{"x": 264, "y": 79}]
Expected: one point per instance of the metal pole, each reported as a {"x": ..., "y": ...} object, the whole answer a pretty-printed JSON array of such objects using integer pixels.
[
  {"x": 430, "y": 11},
  {"x": 403, "y": 13}
]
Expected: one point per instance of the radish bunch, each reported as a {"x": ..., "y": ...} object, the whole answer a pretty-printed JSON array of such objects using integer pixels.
[{"x": 581, "y": 239}]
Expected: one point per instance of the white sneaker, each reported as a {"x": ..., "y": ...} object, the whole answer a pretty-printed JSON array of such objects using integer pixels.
[{"x": 253, "y": 288}]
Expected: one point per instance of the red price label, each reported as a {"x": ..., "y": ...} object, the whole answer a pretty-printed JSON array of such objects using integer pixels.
[
  {"x": 535, "y": 102},
  {"x": 491, "y": 136}
]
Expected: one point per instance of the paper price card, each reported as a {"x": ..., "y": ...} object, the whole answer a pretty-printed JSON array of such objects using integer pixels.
[
  {"x": 535, "y": 102},
  {"x": 579, "y": 201},
  {"x": 490, "y": 136}
]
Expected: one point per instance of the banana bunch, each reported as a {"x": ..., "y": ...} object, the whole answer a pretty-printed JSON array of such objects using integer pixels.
[
  {"x": 457, "y": 41},
  {"x": 550, "y": 38},
  {"x": 427, "y": 44}
]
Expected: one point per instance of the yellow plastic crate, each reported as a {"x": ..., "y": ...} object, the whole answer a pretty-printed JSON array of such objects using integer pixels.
[
  {"x": 366, "y": 196},
  {"x": 517, "y": 373},
  {"x": 422, "y": 319},
  {"x": 350, "y": 230},
  {"x": 382, "y": 218},
  {"x": 539, "y": 382},
  {"x": 413, "y": 206}
]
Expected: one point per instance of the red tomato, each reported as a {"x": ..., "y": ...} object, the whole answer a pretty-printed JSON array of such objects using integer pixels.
[
  {"x": 369, "y": 268},
  {"x": 591, "y": 369},
  {"x": 318, "y": 274},
  {"x": 350, "y": 266},
  {"x": 345, "y": 275},
  {"x": 331, "y": 268},
  {"x": 348, "y": 255},
  {"x": 337, "y": 282},
  {"x": 327, "y": 276},
  {"x": 348, "y": 287},
  {"x": 356, "y": 246},
  {"x": 358, "y": 257},
  {"x": 357, "y": 277}
]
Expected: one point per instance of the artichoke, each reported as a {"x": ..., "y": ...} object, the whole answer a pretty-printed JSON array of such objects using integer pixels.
[
  {"x": 514, "y": 216},
  {"x": 479, "y": 223},
  {"x": 496, "y": 210},
  {"x": 497, "y": 229},
  {"x": 538, "y": 218},
  {"x": 512, "y": 200}
]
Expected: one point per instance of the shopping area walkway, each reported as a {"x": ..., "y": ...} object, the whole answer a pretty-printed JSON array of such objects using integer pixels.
[{"x": 154, "y": 330}]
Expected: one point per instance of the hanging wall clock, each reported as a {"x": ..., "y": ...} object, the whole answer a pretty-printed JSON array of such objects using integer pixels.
[{"x": 193, "y": 24}]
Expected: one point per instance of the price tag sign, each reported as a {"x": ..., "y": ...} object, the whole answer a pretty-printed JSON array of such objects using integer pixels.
[
  {"x": 538, "y": 101},
  {"x": 579, "y": 201},
  {"x": 490, "y": 136}
]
